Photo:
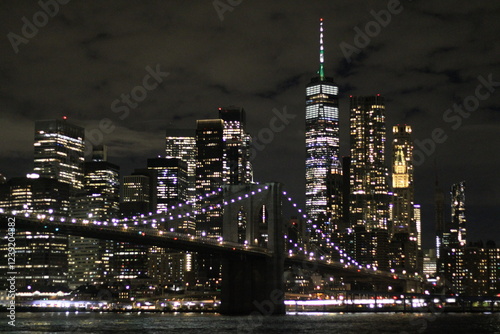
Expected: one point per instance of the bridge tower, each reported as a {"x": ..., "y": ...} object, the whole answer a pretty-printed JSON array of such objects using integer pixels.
[{"x": 253, "y": 283}]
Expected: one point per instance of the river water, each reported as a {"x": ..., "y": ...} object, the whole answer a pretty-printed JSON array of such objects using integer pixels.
[{"x": 208, "y": 323}]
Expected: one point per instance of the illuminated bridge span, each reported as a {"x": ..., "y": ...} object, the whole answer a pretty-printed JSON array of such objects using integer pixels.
[
  {"x": 146, "y": 235},
  {"x": 140, "y": 235},
  {"x": 256, "y": 269}
]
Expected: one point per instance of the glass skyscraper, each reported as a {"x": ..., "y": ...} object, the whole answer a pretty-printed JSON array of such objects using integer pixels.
[{"x": 322, "y": 143}]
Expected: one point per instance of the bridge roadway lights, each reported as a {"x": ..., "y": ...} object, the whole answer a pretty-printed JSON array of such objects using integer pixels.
[{"x": 254, "y": 284}]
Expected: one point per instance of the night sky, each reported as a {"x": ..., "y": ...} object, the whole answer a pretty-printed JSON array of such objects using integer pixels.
[{"x": 260, "y": 55}]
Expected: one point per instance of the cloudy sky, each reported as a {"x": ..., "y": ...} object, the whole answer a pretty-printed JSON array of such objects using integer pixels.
[{"x": 424, "y": 58}]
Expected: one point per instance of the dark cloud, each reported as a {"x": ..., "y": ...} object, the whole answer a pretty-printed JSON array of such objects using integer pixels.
[{"x": 259, "y": 57}]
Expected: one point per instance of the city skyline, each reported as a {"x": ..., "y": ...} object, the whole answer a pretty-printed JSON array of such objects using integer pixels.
[{"x": 265, "y": 74}]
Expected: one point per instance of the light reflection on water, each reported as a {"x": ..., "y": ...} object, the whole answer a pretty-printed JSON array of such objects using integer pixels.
[{"x": 208, "y": 323}]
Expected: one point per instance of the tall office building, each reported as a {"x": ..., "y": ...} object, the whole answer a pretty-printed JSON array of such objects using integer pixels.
[
  {"x": 322, "y": 147},
  {"x": 371, "y": 247},
  {"x": 181, "y": 144},
  {"x": 369, "y": 187},
  {"x": 59, "y": 151},
  {"x": 458, "y": 231},
  {"x": 210, "y": 154},
  {"x": 171, "y": 189},
  {"x": 483, "y": 269},
  {"x": 91, "y": 260},
  {"x": 209, "y": 173},
  {"x": 369, "y": 200},
  {"x": 130, "y": 261},
  {"x": 58, "y": 155},
  {"x": 472, "y": 270},
  {"x": 172, "y": 267},
  {"x": 237, "y": 168},
  {"x": 35, "y": 194},
  {"x": 403, "y": 227},
  {"x": 429, "y": 263},
  {"x": 101, "y": 188},
  {"x": 139, "y": 193},
  {"x": 223, "y": 158},
  {"x": 171, "y": 186},
  {"x": 41, "y": 258},
  {"x": 452, "y": 262},
  {"x": 402, "y": 181}
]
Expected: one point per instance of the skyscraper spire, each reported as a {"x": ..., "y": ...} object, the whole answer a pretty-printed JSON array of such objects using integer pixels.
[{"x": 321, "y": 52}]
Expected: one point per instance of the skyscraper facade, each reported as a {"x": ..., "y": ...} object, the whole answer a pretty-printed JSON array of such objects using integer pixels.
[
  {"x": 237, "y": 168},
  {"x": 209, "y": 173},
  {"x": 58, "y": 155},
  {"x": 452, "y": 262},
  {"x": 404, "y": 222},
  {"x": 41, "y": 258},
  {"x": 91, "y": 260},
  {"x": 458, "y": 230},
  {"x": 138, "y": 198},
  {"x": 322, "y": 145},
  {"x": 171, "y": 187},
  {"x": 402, "y": 181},
  {"x": 369, "y": 187},
  {"x": 139, "y": 193},
  {"x": 181, "y": 144},
  {"x": 59, "y": 151},
  {"x": 223, "y": 158},
  {"x": 101, "y": 188}
]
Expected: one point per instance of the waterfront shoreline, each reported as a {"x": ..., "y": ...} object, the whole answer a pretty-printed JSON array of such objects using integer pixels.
[{"x": 26, "y": 309}]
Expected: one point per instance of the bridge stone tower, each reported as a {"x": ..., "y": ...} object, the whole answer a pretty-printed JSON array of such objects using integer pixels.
[{"x": 253, "y": 283}]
